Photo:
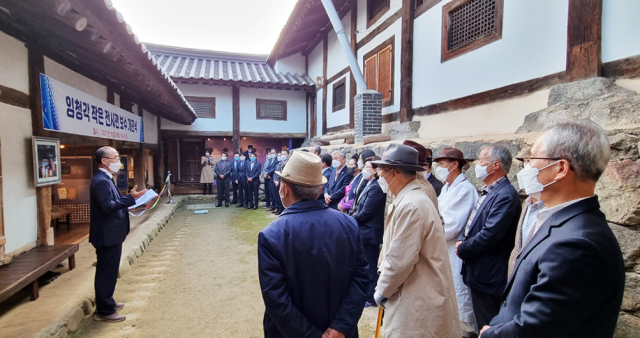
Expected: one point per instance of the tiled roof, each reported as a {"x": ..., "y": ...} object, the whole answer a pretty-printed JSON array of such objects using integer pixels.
[{"x": 181, "y": 63}]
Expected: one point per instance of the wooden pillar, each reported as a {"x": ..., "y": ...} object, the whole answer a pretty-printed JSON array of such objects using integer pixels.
[
  {"x": 158, "y": 160},
  {"x": 111, "y": 98},
  {"x": 139, "y": 160},
  {"x": 43, "y": 194},
  {"x": 236, "y": 119},
  {"x": 406, "y": 68},
  {"x": 354, "y": 47},
  {"x": 584, "y": 40},
  {"x": 325, "y": 59}
]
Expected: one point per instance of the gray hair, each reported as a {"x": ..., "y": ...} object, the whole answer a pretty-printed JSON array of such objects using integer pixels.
[
  {"x": 499, "y": 153},
  {"x": 303, "y": 192},
  {"x": 318, "y": 150},
  {"x": 338, "y": 152},
  {"x": 582, "y": 143}
]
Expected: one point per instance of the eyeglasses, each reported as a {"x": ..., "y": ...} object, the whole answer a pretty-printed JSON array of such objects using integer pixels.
[
  {"x": 113, "y": 158},
  {"x": 528, "y": 158}
]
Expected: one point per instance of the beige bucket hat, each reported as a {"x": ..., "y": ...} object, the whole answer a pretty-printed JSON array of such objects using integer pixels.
[{"x": 303, "y": 168}]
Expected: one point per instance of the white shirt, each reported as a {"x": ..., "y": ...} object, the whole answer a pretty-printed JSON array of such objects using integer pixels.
[
  {"x": 546, "y": 213},
  {"x": 325, "y": 169},
  {"x": 530, "y": 217},
  {"x": 455, "y": 202},
  {"x": 106, "y": 172}
]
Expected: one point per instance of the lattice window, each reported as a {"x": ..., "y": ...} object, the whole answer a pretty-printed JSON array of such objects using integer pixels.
[
  {"x": 470, "y": 24},
  {"x": 375, "y": 9},
  {"x": 271, "y": 110},
  {"x": 204, "y": 107},
  {"x": 378, "y": 71},
  {"x": 339, "y": 95}
]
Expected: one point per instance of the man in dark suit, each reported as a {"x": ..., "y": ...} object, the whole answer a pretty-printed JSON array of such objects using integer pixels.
[
  {"x": 326, "y": 169},
  {"x": 249, "y": 151},
  {"x": 240, "y": 173},
  {"x": 284, "y": 158},
  {"x": 312, "y": 269},
  {"x": 334, "y": 189},
  {"x": 568, "y": 280},
  {"x": 252, "y": 173},
  {"x": 234, "y": 177},
  {"x": 435, "y": 182},
  {"x": 222, "y": 171},
  {"x": 268, "y": 169},
  {"x": 108, "y": 229},
  {"x": 488, "y": 238}
]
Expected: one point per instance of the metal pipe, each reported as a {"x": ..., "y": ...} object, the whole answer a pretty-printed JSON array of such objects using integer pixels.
[{"x": 344, "y": 42}]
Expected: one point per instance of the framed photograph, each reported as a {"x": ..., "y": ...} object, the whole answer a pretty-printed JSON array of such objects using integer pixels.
[{"x": 46, "y": 161}]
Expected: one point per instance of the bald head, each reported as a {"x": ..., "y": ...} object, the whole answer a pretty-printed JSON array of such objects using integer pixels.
[{"x": 106, "y": 155}]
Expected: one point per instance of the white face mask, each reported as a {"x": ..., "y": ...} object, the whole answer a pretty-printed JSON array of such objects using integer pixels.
[
  {"x": 383, "y": 183},
  {"x": 528, "y": 180},
  {"x": 281, "y": 197},
  {"x": 335, "y": 163},
  {"x": 366, "y": 175},
  {"x": 360, "y": 165},
  {"x": 224, "y": 158},
  {"x": 114, "y": 167},
  {"x": 481, "y": 171},
  {"x": 206, "y": 154},
  {"x": 242, "y": 158},
  {"x": 443, "y": 173}
]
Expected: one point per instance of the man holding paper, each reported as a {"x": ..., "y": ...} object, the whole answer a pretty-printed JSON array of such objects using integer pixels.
[{"x": 108, "y": 229}]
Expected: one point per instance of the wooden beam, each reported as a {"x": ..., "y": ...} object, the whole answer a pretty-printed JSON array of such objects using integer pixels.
[
  {"x": 188, "y": 133},
  {"x": 354, "y": 49},
  {"x": 325, "y": 59},
  {"x": 139, "y": 161},
  {"x": 584, "y": 40},
  {"x": 158, "y": 160},
  {"x": 337, "y": 76},
  {"x": 236, "y": 117},
  {"x": 337, "y": 128},
  {"x": 273, "y": 135},
  {"x": 406, "y": 61},
  {"x": 381, "y": 28},
  {"x": 14, "y": 97},
  {"x": 627, "y": 68}
]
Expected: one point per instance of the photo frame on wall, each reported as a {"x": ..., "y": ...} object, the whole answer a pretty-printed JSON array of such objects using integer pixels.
[{"x": 46, "y": 161}]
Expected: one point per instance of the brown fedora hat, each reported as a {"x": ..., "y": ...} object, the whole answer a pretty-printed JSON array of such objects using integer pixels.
[
  {"x": 423, "y": 153},
  {"x": 401, "y": 157},
  {"x": 303, "y": 168},
  {"x": 451, "y": 154}
]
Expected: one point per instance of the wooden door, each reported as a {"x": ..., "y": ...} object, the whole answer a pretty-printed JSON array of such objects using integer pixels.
[{"x": 191, "y": 150}]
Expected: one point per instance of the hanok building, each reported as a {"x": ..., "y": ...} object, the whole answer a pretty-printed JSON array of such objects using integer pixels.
[
  {"x": 240, "y": 100},
  {"x": 84, "y": 50}
]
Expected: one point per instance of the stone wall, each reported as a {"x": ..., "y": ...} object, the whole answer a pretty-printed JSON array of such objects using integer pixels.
[{"x": 617, "y": 110}]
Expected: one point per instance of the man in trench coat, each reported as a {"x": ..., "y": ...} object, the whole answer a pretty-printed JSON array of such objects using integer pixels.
[
  {"x": 312, "y": 268},
  {"x": 416, "y": 283}
]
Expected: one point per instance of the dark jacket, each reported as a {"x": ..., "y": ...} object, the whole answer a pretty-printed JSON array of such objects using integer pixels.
[
  {"x": 486, "y": 249},
  {"x": 326, "y": 174},
  {"x": 435, "y": 183},
  {"x": 225, "y": 170},
  {"x": 356, "y": 180},
  {"x": 313, "y": 272},
  {"x": 239, "y": 170},
  {"x": 370, "y": 214},
  {"x": 109, "y": 212},
  {"x": 335, "y": 187},
  {"x": 255, "y": 173},
  {"x": 270, "y": 166},
  {"x": 567, "y": 282}
]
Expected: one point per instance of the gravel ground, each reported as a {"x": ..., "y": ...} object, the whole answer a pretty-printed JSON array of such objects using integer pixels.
[{"x": 199, "y": 278}]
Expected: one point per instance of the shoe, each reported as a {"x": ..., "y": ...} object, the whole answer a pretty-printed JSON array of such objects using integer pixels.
[
  {"x": 112, "y": 318},
  {"x": 239, "y": 206},
  {"x": 119, "y": 306},
  {"x": 278, "y": 213},
  {"x": 255, "y": 208},
  {"x": 267, "y": 207},
  {"x": 226, "y": 205},
  {"x": 275, "y": 211},
  {"x": 248, "y": 207},
  {"x": 218, "y": 205}
]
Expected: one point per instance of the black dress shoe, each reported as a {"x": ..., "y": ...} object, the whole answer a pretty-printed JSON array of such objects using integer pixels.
[
  {"x": 248, "y": 207},
  {"x": 255, "y": 208},
  {"x": 278, "y": 213},
  {"x": 218, "y": 205},
  {"x": 275, "y": 211},
  {"x": 226, "y": 205}
]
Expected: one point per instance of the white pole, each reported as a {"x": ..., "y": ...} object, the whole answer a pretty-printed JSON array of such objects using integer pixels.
[{"x": 342, "y": 37}]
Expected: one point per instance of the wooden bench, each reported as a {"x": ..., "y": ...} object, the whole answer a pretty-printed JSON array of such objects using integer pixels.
[
  {"x": 56, "y": 213},
  {"x": 25, "y": 270}
]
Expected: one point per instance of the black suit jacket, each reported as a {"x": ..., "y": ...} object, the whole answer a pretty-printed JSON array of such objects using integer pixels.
[
  {"x": 239, "y": 170},
  {"x": 486, "y": 249},
  {"x": 225, "y": 170},
  {"x": 568, "y": 280},
  {"x": 370, "y": 214},
  {"x": 335, "y": 187},
  {"x": 326, "y": 174},
  {"x": 435, "y": 183},
  {"x": 255, "y": 173},
  {"x": 109, "y": 212}
]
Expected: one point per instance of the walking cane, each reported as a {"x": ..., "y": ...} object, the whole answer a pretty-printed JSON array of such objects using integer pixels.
[{"x": 379, "y": 323}]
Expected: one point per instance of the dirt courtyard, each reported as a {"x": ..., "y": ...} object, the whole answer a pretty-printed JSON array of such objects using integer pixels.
[{"x": 199, "y": 278}]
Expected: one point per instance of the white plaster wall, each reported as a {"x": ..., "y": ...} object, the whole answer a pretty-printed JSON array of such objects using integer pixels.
[
  {"x": 503, "y": 117},
  {"x": 292, "y": 64},
  {"x": 116, "y": 99},
  {"x": 14, "y": 69},
  {"x": 363, "y": 31},
  {"x": 224, "y": 109},
  {"x": 315, "y": 62},
  {"x": 150, "y": 123},
  {"x": 533, "y": 44},
  {"x": 339, "y": 117},
  {"x": 296, "y": 111},
  {"x": 18, "y": 191},
  {"x": 337, "y": 60},
  {"x": 394, "y": 30},
  {"x": 620, "y": 28},
  {"x": 631, "y": 84},
  {"x": 73, "y": 79}
]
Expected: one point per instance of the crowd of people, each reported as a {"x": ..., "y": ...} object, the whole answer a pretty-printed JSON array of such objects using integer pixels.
[{"x": 441, "y": 259}]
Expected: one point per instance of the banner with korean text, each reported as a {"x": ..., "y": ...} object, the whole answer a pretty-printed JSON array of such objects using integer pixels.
[{"x": 69, "y": 110}]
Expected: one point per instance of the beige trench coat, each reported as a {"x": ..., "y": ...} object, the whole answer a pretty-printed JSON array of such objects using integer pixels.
[
  {"x": 415, "y": 273},
  {"x": 206, "y": 176}
]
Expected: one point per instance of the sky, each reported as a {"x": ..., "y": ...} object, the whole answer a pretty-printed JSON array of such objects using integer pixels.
[{"x": 242, "y": 26}]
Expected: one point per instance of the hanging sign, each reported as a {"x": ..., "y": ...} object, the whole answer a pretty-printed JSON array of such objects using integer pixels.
[{"x": 68, "y": 110}]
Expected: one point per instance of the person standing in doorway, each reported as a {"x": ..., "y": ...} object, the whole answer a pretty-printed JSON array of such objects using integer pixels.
[
  {"x": 223, "y": 178},
  {"x": 206, "y": 176},
  {"x": 109, "y": 226},
  {"x": 253, "y": 169}
]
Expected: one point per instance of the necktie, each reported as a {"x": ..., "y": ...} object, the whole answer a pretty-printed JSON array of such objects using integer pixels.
[{"x": 518, "y": 249}]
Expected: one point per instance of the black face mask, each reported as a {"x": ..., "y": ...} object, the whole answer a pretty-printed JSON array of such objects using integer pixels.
[{"x": 351, "y": 170}]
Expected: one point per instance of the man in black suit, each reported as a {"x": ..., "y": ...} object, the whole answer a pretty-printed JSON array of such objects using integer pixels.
[
  {"x": 252, "y": 174},
  {"x": 568, "y": 280},
  {"x": 222, "y": 171},
  {"x": 108, "y": 229},
  {"x": 334, "y": 189},
  {"x": 435, "y": 182},
  {"x": 234, "y": 177},
  {"x": 249, "y": 151},
  {"x": 279, "y": 207},
  {"x": 488, "y": 238},
  {"x": 268, "y": 169},
  {"x": 240, "y": 173},
  {"x": 326, "y": 169}
]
